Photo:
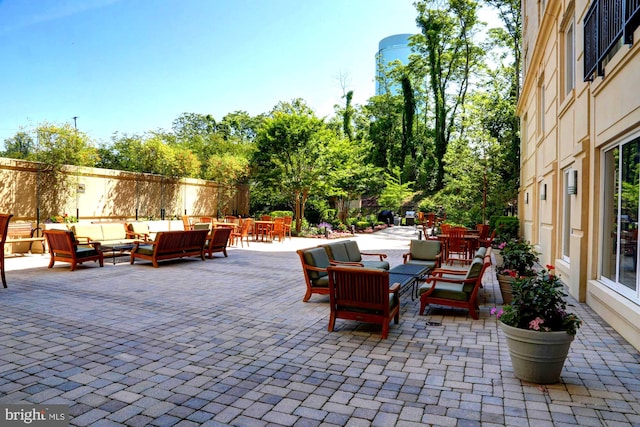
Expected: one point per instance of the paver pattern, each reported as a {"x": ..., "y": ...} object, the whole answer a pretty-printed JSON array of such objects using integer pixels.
[{"x": 229, "y": 342}]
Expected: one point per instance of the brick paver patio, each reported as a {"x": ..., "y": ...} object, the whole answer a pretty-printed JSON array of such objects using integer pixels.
[{"x": 229, "y": 342}]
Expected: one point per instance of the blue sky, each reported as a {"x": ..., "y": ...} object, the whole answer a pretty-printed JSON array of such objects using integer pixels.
[{"x": 135, "y": 65}]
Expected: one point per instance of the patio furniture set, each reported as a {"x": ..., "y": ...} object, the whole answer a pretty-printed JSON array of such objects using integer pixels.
[
  {"x": 83, "y": 242},
  {"x": 369, "y": 290}
]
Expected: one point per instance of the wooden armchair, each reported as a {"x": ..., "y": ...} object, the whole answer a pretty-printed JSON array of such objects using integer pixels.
[
  {"x": 424, "y": 252},
  {"x": 217, "y": 241},
  {"x": 314, "y": 267},
  {"x": 4, "y": 227},
  {"x": 364, "y": 295},
  {"x": 64, "y": 247},
  {"x": 445, "y": 288}
]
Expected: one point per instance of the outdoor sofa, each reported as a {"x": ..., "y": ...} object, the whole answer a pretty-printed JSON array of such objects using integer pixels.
[{"x": 171, "y": 245}]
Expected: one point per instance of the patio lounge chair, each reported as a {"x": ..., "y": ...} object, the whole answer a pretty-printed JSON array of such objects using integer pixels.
[
  {"x": 461, "y": 291},
  {"x": 424, "y": 252},
  {"x": 64, "y": 247},
  {"x": 364, "y": 295},
  {"x": 314, "y": 266}
]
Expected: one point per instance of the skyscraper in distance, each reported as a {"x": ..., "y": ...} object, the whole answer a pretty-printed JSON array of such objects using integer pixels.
[{"x": 389, "y": 49}]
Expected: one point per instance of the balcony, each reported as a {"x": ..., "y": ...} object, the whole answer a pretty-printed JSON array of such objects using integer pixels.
[{"x": 606, "y": 23}]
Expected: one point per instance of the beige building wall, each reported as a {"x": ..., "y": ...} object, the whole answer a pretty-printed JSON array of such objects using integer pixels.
[
  {"x": 26, "y": 189},
  {"x": 564, "y": 132}
]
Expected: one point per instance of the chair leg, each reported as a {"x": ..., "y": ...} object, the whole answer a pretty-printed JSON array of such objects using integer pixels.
[
  {"x": 332, "y": 322},
  {"x": 385, "y": 330},
  {"x": 4, "y": 279},
  {"x": 423, "y": 305}
]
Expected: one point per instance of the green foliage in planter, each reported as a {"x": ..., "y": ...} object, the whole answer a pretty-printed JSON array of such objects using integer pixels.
[
  {"x": 538, "y": 304},
  {"x": 518, "y": 258}
]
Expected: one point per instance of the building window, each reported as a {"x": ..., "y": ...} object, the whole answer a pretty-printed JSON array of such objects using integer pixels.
[
  {"x": 620, "y": 222},
  {"x": 570, "y": 59},
  {"x": 566, "y": 217}
]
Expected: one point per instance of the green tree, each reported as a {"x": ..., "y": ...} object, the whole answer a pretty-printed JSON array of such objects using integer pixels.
[
  {"x": 122, "y": 153},
  {"x": 19, "y": 146},
  {"x": 395, "y": 192},
  {"x": 59, "y": 145},
  {"x": 447, "y": 51},
  {"x": 505, "y": 80},
  {"x": 289, "y": 155},
  {"x": 349, "y": 175}
]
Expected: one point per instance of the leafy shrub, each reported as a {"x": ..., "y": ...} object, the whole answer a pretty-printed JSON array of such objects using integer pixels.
[
  {"x": 278, "y": 214},
  {"x": 507, "y": 227}
]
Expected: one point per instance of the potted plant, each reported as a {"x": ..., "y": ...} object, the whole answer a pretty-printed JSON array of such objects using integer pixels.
[
  {"x": 518, "y": 258},
  {"x": 538, "y": 328}
]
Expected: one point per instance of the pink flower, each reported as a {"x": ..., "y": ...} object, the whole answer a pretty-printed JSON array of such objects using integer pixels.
[
  {"x": 502, "y": 245},
  {"x": 496, "y": 312},
  {"x": 535, "y": 323}
]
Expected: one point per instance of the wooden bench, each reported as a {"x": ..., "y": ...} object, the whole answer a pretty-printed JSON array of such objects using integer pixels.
[
  {"x": 22, "y": 232},
  {"x": 171, "y": 245}
]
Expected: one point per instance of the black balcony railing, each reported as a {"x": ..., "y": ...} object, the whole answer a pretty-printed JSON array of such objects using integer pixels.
[{"x": 606, "y": 22}]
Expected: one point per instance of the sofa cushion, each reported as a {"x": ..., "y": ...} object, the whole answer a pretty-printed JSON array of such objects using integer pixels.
[
  {"x": 337, "y": 251},
  {"x": 113, "y": 231},
  {"x": 91, "y": 231},
  {"x": 353, "y": 250},
  {"x": 425, "y": 249},
  {"x": 453, "y": 291},
  {"x": 145, "y": 249},
  {"x": 473, "y": 273},
  {"x": 381, "y": 265},
  {"x": 317, "y": 257},
  {"x": 481, "y": 252}
]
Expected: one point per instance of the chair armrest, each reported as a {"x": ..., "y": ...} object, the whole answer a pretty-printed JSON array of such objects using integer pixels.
[
  {"x": 81, "y": 240},
  {"x": 406, "y": 257},
  {"x": 314, "y": 268},
  {"x": 394, "y": 288},
  {"x": 132, "y": 235},
  {"x": 435, "y": 279},
  {"x": 382, "y": 256},
  {"x": 441, "y": 270}
]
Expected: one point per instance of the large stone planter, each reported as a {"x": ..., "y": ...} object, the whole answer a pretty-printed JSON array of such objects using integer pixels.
[
  {"x": 537, "y": 357},
  {"x": 505, "y": 281}
]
